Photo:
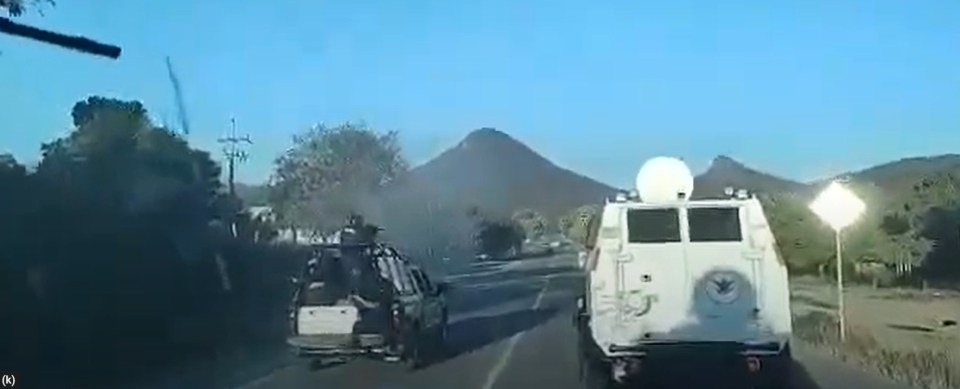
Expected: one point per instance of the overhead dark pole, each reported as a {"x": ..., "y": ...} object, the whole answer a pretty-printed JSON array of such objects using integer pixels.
[{"x": 72, "y": 42}]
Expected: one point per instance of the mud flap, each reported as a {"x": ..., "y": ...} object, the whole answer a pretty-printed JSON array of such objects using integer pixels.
[
  {"x": 593, "y": 371},
  {"x": 776, "y": 370}
]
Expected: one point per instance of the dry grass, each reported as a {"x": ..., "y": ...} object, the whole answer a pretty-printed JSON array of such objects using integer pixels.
[{"x": 922, "y": 368}]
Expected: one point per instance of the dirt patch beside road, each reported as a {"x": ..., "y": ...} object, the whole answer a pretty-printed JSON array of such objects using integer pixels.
[{"x": 908, "y": 335}]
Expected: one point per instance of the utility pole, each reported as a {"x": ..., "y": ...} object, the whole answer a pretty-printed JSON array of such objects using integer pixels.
[{"x": 234, "y": 153}]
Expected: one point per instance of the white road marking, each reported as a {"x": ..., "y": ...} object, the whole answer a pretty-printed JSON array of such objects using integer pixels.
[{"x": 501, "y": 363}]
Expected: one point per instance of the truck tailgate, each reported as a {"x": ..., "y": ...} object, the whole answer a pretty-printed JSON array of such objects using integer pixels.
[{"x": 332, "y": 320}]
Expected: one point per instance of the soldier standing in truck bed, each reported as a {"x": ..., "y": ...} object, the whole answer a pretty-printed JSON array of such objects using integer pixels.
[
  {"x": 590, "y": 239},
  {"x": 374, "y": 291}
]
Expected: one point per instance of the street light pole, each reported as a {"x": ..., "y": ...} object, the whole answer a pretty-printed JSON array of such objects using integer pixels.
[
  {"x": 839, "y": 208},
  {"x": 840, "y": 313}
]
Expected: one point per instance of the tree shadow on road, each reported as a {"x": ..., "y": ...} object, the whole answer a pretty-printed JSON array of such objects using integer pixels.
[{"x": 474, "y": 333}]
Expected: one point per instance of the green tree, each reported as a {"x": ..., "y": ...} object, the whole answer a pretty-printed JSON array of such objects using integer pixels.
[
  {"x": 808, "y": 245},
  {"x": 564, "y": 223},
  {"x": 499, "y": 237},
  {"x": 330, "y": 172},
  {"x": 18, "y": 7},
  {"x": 116, "y": 229},
  {"x": 533, "y": 223},
  {"x": 117, "y": 158},
  {"x": 493, "y": 235},
  {"x": 582, "y": 219},
  {"x": 805, "y": 243},
  {"x": 932, "y": 205}
]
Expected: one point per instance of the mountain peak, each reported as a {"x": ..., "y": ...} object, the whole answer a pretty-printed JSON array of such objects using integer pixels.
[
  {"x": 488, "y": 136},
  {"x": 725, "y": 171},
  {"x": 487, "y": 131},
  {"x": 498, "y": 173},
  {"x": 724, "y": 162}
]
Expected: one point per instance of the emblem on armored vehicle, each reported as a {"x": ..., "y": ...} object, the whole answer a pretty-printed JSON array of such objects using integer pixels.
[{"x": 723, "y": 287}]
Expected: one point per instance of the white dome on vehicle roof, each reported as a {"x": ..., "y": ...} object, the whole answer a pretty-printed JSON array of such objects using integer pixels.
[{"x": 662, "y": 179}]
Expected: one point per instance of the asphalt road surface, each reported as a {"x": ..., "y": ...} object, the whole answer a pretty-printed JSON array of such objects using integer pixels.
[{"x": 511, "y": 328}]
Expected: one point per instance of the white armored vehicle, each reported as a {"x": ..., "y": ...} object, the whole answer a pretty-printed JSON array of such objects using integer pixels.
[{"x": 674, "y": 277}]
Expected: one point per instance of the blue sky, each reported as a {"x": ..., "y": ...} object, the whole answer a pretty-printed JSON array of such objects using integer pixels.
[{"x": 798, "y": 88}]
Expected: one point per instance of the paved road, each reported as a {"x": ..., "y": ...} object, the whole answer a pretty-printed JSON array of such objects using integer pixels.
[{"x": 512, "y": 329}]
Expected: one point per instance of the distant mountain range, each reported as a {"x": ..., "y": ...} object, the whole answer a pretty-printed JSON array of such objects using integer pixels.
[
  {"x": 498, "y": 174},
  {"x": 892, "y": 176}
]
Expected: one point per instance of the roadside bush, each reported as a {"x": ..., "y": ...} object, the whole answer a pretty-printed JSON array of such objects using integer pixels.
[
  {"x": 498, "y": 237},
  {"x": 114, "y": 252}
]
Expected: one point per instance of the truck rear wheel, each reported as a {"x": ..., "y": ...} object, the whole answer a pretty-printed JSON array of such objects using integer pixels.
[
  {"x": 439, "y": 343},
  {"x": 413, "y": 349}
]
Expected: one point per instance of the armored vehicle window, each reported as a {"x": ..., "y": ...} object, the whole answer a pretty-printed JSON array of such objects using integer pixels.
[
  {"x": 653, "y": 225},
  {"x": 714, "y": 224}
]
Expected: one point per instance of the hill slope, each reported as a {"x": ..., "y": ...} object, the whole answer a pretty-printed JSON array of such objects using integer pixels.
[
  {"x": 725, "y": 172},
  {"x": 891, "y": 177},
  {"x": 907, "y": 170},
  {"x": 426, "y": 211},
  {"x": 495, "y": 172}
]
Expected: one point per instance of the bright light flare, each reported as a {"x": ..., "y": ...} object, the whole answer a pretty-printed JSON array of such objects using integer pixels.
[{"x": 838, "y": 206}]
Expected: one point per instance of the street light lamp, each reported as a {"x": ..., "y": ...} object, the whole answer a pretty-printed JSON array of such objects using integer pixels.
[{"x": 839, "y": 208}]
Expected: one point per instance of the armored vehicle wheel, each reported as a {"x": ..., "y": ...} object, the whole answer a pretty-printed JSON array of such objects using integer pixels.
[
  {"x": 597, "y": 375},
  {"x": 595, "y": 372}
]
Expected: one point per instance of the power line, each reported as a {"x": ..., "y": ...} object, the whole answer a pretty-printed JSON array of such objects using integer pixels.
[{"x": 234, "y": 153}]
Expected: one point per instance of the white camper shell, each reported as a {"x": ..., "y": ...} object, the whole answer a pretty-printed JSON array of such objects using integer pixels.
[{"x": 671, "y": 274}]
